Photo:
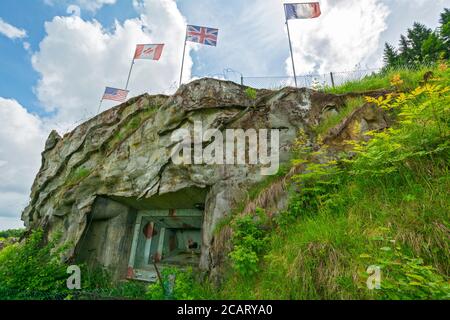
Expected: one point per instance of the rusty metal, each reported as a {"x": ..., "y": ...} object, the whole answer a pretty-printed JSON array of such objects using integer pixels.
[{"x": 159, "y": 277}]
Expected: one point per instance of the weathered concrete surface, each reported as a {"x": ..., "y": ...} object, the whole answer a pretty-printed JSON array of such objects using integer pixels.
[{"x": 124, "y": 154}]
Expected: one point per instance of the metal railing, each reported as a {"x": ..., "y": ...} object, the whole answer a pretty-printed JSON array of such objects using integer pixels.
[{"x": 315, "y": 81}]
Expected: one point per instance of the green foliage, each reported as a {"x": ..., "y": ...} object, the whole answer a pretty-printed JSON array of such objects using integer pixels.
[
  {"x": 78, "y": 175},
  {"x": 98, "y": 284},
  {"x": 178, "y": 285},
  {"x": 420, "y": 45},
  {"x": 333, "y": 120},
  {"x": 407, "y": 278},
  {"x": 411, "y": 76},
  {"x": 32, "y": 270},
  {"x": 387, "y": 205},
  {"x": 11, "y": 233},
  {"x": 249, "y": 240},
  {"x": 251, "y": 93},
  {"x": 423, "y": 133}
]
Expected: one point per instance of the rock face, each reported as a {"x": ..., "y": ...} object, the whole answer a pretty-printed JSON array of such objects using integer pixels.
[{"x": 96, "y": 181}]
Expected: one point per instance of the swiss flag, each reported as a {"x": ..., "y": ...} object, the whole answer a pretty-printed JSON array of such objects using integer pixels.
[{"x": 148, "y": 51}]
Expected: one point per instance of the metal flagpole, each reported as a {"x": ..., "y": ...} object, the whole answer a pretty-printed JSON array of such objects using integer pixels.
[
  {"x": 99, "y": 106},
  {"x": 182, "y": 61},
  {"x": 290, "y": 47},
  {"x": 129, "y": 74}
]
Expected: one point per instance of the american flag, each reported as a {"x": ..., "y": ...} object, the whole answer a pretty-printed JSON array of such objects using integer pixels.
[
  {"x": 308, "y": 10},
  {"x": 115, "y": 94},
  {"x": 203, "y": 35}
]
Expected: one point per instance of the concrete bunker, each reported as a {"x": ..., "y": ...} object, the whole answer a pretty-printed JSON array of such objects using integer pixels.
[{"x": 130, "y": 236}]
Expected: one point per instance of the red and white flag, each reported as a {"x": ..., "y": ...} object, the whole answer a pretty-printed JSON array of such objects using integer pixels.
[
  {"x": 148, "y": 51},
  {"x": 308, "y": 10}
]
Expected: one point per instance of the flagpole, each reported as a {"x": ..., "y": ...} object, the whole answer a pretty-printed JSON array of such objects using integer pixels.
[
  {"x": 290, "y": 47},
  {"x": 129, "y": 74},
  {"x": 182, "y": 61},
  {"x": 99, "y": 106}
]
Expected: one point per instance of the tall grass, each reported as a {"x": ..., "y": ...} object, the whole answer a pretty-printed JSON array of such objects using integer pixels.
[
  {"x": 335, "y": 119},
  {"x": 411, "y": 77}
]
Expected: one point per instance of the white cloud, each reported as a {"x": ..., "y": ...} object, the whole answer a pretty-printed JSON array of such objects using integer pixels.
[
  {"x": 78, "y": 58},
  {"x": 10, "y": 31},
  {"x": 22, "y": 139},
  {"x": 90, "y": 5},
  {"x": 347, "y": 34},
  {"x": 253, "y": 37},
  {"x": 94, "y": 5}
]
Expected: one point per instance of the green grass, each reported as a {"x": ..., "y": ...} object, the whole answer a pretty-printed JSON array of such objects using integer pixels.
[
  {"x": 382, "y": 80},
  {"x": 319, "y": 256},
  {"x": 334, "y": 120},
  {"x": 78, "y": 175}
]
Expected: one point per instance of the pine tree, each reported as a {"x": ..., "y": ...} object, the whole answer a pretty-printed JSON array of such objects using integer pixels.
[
  {"x": 433, "y": 48},
  {"x": 391, "y": 57},
  {"x": 417, "y": 35},
  {"x": 445, "y": 31},
  {"x": 445, "y": 16},
  {"x": 405, "y": 52},
  {"x": 420, "y": 45}
]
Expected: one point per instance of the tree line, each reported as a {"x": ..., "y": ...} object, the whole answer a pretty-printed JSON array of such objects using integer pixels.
[{"x": 421, "y": 45}]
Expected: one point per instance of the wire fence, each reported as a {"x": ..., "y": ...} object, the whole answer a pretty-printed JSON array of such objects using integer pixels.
[{"x": 314, "y": 81}]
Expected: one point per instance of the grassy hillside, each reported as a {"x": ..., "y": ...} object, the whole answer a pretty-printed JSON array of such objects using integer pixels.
[{"x": 386, "y": 206}]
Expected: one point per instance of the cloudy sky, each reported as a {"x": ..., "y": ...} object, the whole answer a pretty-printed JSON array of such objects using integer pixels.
[{"x": 56, "y": 57}]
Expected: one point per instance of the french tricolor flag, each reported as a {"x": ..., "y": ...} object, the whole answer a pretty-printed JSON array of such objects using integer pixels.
[{"x": 308, "y": 10}]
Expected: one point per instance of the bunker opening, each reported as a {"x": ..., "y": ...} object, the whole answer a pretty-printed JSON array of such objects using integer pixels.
[{"x": 138, "y": 238}]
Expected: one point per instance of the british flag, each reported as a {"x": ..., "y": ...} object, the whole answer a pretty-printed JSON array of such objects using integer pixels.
[
  {"x": 115, "y": 94},
  {"x": 203, "y": 35}
]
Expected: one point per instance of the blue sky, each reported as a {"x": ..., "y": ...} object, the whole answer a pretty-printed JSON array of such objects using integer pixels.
[
  {"x": 18, "y": 78},
  {"x": 55, "y": 64}
]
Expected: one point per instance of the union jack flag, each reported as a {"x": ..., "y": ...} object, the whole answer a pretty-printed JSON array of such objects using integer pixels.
[
  {"x": 203, "y": 35},
  {"x": 115, "y": 94}
]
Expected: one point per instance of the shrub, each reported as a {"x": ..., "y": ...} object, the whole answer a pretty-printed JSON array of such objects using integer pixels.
[
  {"x": 406, "y": 277},
  {"x": 251, "y": 93},
  {"x": 32, "y": 270},
  {"x": 249, "y": 240},
  {"x": 178, "y": 285}
]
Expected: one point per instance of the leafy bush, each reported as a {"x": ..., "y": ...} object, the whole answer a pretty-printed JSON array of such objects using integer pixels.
[
  {"x": 178, "y": 285},
  {"x": 422, "y": 133},
  {"x": 405, "y": 277},
  {"x": 249, "y": 240},
  {"x": 32, "y": 270},
  {"x": 251, "y": 93}
]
